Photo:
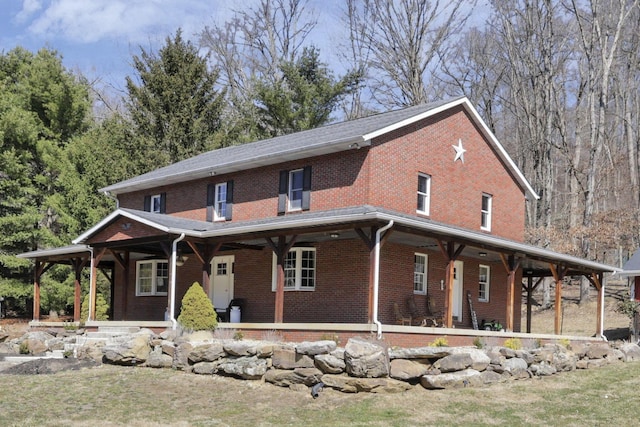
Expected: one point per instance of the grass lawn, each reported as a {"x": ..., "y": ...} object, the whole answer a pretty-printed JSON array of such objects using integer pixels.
[{"x": 115, "y": 396}]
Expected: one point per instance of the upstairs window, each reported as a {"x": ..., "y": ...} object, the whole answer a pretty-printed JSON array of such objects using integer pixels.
[
  {"x": 485, "y": 222},
  {"x": 424, "y": 190},
  {"x": 420, "y": 274},
  {"x": 220, "y": 201},
  {"x": 155, "y": 203},
  {"x": 483, "y": 281},
  {"x": 152, "y": 277},
  {"x": 294, "y": 192},
  {"x": 299, "y": 270}
]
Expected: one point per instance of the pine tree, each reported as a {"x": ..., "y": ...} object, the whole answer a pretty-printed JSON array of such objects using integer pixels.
[
  {"x": 175, "y": 104},
  {"x": 197, "y": 313}
]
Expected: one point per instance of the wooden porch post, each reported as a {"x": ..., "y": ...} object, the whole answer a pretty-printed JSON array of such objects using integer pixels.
[
  {"x": 370, "y": 241},
  {"x": 97, "y": 256},
  {"x": 558, "y": 275},
  {"x": 39, "y": 270},
  {"x": 36, "y": 290},
  {"x": 450, "y": 254},
  {"x": 78, "y": 264},
  {"x": 511, "y": 265},
  {"x": 205, "y": 257},
  {"x": 280, "y": 249}
]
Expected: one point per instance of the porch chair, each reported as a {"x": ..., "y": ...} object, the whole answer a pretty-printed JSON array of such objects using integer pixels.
[
  {"x": 400, "y": 319},
  {"x": 436, "y": 317},
  {"x": 418, "y": 318}
]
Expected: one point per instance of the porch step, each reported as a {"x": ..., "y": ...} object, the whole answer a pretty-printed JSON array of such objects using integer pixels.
[{"x": 117, "y": 330}]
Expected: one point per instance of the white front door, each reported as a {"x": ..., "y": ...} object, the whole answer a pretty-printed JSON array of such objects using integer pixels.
[
  {"x": 222, "y": 281},
  {"x": 457, "y": 290}
]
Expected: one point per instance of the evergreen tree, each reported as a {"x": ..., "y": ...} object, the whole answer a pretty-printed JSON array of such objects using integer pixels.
[
  {"x": 42, "y": 106},
  {"x": 304, "y": 97},
  {"x": 175, "y": 104}
]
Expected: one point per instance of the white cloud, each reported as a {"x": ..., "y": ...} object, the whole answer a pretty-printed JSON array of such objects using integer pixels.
[
  {"x": 133, "y": 20},
  {"x": 29, "y": 7}
]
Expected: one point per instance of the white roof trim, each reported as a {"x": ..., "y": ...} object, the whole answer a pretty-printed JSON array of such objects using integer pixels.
[{"x": 111, "y": 217}]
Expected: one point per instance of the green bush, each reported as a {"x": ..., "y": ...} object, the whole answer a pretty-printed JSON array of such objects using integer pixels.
[
  {"x": 513, "y": 343},
  {"x": 102, "y": 308},
  {"x": 197, "y": 313}
]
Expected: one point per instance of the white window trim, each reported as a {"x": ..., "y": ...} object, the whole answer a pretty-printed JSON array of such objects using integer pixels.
[
  {"x": 487, "y": 213},
  {"x": 426, "y": 195},
  {"x": 152, "y": 208},
  {"x": 154, "y": 270},
  {"x": 487, "y": 284},
  {"x": 298, "y": 279},
  {"x": 425, "y": 274},
  {"x": 290, "y": 190},
  {"x": 217, "y": 202}
]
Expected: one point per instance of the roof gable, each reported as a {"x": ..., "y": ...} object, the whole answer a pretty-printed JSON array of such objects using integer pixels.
[{"x": 319, "y": 141}]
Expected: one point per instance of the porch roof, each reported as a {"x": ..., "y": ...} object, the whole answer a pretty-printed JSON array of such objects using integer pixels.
[
  {"x": 413, "y": 230},
  {"x": 348, "y": 135},
  {"x": 631, "y": 268}
]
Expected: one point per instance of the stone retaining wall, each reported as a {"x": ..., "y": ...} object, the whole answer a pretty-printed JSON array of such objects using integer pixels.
[{"x": 361, "y": 365}]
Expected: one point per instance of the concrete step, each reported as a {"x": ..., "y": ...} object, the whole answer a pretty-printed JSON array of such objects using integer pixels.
[{"x": 119, "y": 330}]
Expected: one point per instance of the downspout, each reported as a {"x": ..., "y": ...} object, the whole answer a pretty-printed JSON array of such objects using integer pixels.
[
  {"x": 114, "y": 198},
  {"x": 91, "y": 281},
  {"x": 376, "y": 277},
  {"x": 174, "y": 272},
  {"x": 602, "y": 336}
]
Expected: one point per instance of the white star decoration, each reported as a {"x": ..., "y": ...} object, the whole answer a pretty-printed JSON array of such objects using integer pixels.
[{"x": 459, "y": 151}]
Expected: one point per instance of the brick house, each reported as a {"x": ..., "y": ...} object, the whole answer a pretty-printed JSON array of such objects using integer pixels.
[{"x": 418, "y": 211}]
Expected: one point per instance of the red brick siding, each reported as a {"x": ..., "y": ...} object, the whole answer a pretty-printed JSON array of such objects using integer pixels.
[
  {"x": 337, "y": 180},
  {"x": 123, "y": 229},
  {"x": 456, "y": 188},
  {"x": 384, "y": 175},
  {"x": 341, "y": 292}
]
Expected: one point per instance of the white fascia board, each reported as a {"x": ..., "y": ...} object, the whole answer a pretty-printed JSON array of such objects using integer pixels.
[
  {"x": 628, "y": 273},
  {"x": 111, "y": 217},
  {"x": 414, "y": 119}
]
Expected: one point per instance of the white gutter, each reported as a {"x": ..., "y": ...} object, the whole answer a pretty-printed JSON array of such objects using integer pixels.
[
  {"x": 174, "y": 271},
  {"x": 376, "y": 277}
]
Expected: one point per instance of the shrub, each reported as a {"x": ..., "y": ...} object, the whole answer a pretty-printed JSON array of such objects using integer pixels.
[
  {"x": 197, "y": 313},
  {"x": 513, "y": 343},
  {"x": 24, "y": 347},
  {"x": 102, "y": 308},
  {"x": 477, "y": 341},
  {"x": 440, "y": 342}
]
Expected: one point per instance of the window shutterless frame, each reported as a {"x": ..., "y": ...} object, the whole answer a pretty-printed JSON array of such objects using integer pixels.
[
  {"x": 424, "y": 194},
  {"x": 485, "y": 221}
]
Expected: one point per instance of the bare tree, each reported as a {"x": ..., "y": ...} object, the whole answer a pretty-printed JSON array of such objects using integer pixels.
[
  {"x": 404, "y": 38},
  {"x": 251, "y": 47}
]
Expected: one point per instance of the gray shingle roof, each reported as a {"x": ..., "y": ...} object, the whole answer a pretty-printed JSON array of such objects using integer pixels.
[
  {"x": 322, "y": 140},
  {"x": 632, "y": 266}
]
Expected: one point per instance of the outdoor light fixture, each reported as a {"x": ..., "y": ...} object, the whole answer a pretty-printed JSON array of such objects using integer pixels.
[
  {"x": 483, "y": 254},
  {"x": 442, "y": 284},
  {"x": 180, "y": 260},
  {"x": 354, "y": 145},
  {"x": 334, "y": 235}
]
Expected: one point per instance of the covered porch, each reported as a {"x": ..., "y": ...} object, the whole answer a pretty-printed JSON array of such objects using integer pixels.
[{"x": 125, "y": 238}]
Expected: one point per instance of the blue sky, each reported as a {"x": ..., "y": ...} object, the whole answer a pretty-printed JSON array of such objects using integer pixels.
[{"x": 99, "y": 37}]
